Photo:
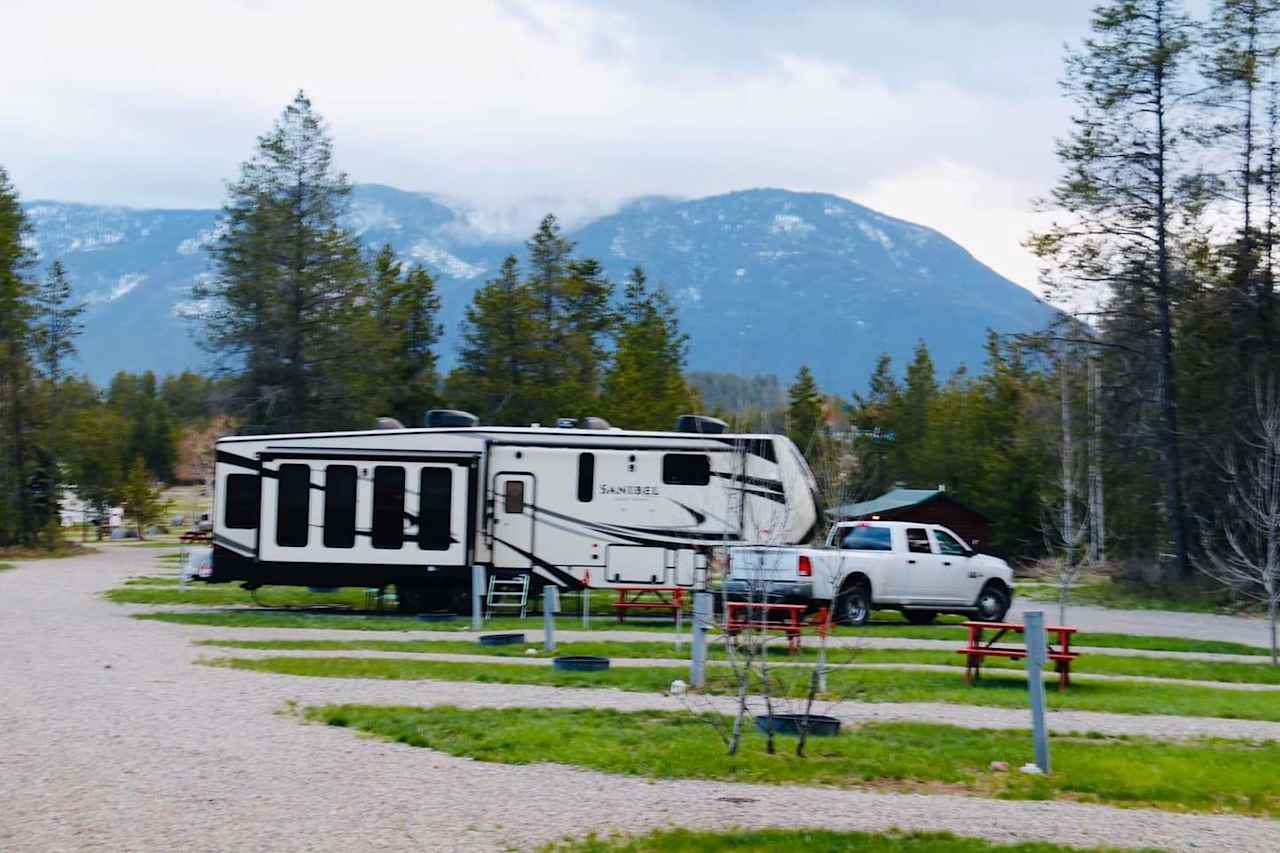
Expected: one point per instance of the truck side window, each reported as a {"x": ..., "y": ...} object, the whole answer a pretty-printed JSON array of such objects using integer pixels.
[
  {"x": 686, "y": 469},
  {"x": 244, "y": 499},
  {"x": 949, "y": 545},
  {"x": 340, "y": 506},
  {"x": 918, "y": 541},
  {"x": 867, "y": 538},
  {"x": 293, "y": 506},
  {"x": 388, "y": 507}
]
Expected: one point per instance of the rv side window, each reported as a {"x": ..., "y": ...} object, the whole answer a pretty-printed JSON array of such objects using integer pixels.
[
  {"x": 513, "y": 498},
  {"x": 339, "y": 506},
  {"x": 388, "y": 507},
  {"x": 435, "y": 503},
  {"x": 244, "y": 500},
  {"x": 686, "y": 469},
  {"x": 293, "y": 506},
  {"x": 586, "y": 476}
]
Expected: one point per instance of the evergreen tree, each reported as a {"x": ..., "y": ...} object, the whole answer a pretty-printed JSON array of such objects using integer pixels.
[
  {"x": 57, "y": 324},
  {"x": 912, "y": 417},
  {"x": 406, "y": 306},
  {"x": 644, "y": 388},
  {"x": 588, "y": 321},
  {"x": 804, "y": 413},
  {"x": 142, "y": 498},
  {"x": 287, "y": 306},
  {"x": 1122, "y": 192},
  {"x": 550, "y": 261},
  {"x": 16, "y": 344},
  {"x": 495, "y": 377}
]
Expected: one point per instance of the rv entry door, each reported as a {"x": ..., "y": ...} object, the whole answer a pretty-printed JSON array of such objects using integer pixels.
[{"x": 513, "y": 521}]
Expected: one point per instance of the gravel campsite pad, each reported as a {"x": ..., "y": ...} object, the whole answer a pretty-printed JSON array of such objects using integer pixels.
[{"x": 113, "y": 740}]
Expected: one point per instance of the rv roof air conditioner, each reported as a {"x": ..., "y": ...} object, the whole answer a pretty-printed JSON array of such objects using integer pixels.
[
  {"x": 700, "y": 423},
  {"x": 595, "y": 423},
  {"x": 450, "y": 418},
  {"x": 387, "y": 423}
]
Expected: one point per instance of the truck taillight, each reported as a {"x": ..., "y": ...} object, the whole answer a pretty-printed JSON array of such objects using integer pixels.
[{"x": 805, "y": 569}]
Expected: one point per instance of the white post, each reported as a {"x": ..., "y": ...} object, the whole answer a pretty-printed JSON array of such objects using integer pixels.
[
  {"x": 703, "y": 614},
  {"x": 822, "y": 666},
  {"x": 1037, "y": 657},
  {"x": 477, "y": 597},
  {"x": 550, "y": 604},
  {"x": 586, "y": 602},
  {"x": 679, "y": 626}
]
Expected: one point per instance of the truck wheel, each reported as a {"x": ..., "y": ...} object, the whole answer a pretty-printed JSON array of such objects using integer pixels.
[
  {"x": 854, "y": 604},
  {"x": 920, "y": 617},
  {"x": 992, "y": 604}
]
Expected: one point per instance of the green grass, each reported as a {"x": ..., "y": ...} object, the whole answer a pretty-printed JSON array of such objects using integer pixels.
[
  {"x": 1240, "y": 673},
  {"x": 250, "y": 619},
  {"x": 5, "y": 567},
  {"x": 804, "y": 841},
  {"x": 267, "y": 596},
  {"x": 153, "y": 580},
  {"x": 1113, "y": 593},
  {"x": 1003, "y": 690},
  {"x": 1204, "y": 775}
]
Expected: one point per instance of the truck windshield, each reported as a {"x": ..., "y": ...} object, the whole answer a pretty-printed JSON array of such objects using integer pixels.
[{"x": 866, "y": 539}]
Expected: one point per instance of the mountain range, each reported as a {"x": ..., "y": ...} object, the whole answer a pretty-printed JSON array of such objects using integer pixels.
[{"x": 765, "y": 280}]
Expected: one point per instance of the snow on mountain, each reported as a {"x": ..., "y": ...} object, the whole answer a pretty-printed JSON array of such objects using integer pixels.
[{"x": 765, "y": 280}]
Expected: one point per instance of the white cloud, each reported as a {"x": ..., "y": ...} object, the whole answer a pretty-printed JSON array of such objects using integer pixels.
[
  {"x": 521, "y": 108},
  {"x": 124, "y": 285}
]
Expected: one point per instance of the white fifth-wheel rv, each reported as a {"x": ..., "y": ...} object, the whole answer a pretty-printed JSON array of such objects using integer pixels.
[{"x": 416, "y": 508}]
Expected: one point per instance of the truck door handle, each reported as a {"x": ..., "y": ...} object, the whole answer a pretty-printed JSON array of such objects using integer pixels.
[
  {"x": 946, "y": 562},
  {"x": 911, "y": 561}
]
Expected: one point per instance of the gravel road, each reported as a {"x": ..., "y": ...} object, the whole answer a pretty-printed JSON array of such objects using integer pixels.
[{"x": 111, "y": 740}]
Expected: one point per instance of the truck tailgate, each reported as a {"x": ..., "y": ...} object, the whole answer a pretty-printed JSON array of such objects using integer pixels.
[{"x": 760, "y": 564}]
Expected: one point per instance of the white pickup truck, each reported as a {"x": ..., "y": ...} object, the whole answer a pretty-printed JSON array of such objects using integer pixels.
[{"x": 919, "y": 569}]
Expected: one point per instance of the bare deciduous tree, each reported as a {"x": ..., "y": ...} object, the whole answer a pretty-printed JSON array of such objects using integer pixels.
[{"x": 1246, "y": 557}]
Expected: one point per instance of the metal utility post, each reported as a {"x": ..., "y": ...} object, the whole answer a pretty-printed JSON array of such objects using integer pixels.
[
  {"x": 1037, "y": 657},
  {"x": 477, "y": 597},
  {"x": 550, "y": 604},
  {"x": 586, "y": 602},
  {"x": 679, "y": 626},
  {"x": 703, "y": 615}
]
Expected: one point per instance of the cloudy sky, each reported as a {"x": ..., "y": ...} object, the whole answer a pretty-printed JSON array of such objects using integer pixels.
[{"x": 939, "y": 112}]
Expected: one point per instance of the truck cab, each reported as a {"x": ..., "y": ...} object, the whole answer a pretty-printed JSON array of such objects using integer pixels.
[{"x": 919, "y": 569}]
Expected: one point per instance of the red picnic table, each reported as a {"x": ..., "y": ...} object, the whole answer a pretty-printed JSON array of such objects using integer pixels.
[
  {"x": 975, "y": 650},
  {"x": 788, "y": 619},
  {"x": 648, "y": 598}
]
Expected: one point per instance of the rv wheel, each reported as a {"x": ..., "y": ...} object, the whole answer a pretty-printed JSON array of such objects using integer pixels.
[{"x": 411, "y": 597}]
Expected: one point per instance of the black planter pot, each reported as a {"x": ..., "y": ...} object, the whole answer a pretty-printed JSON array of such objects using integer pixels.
[
  {"x": 502, "y": 640},
  {"x": 790, "y": 724},
  {"x": 580, "y": 663}
]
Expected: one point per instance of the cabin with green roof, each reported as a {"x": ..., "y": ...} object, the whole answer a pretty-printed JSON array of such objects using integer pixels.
[{"x": 926, "y": 506}]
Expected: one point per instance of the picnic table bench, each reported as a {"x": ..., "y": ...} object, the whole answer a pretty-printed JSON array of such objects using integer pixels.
[
  {"x": 192, "y": 536},
  {"x": 648, "y": 598},
  {"x": 975, "y": 650},
  {"x": 788, "y": 619}
]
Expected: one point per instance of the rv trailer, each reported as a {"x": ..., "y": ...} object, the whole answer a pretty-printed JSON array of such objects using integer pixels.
[{"x": 416, "y": 508}]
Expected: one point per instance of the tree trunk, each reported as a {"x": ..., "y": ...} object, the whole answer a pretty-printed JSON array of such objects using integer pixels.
[{"x": 1097, "y": 517}]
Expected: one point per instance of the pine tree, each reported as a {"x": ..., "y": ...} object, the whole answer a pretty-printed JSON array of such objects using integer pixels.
[
  {"x": 406, "y": 306},
  {"x": 57, "y": 324},
  {"x": 142, "y": 498},
  {"x": 16, "y": 344},
  {"x": 588, "y": 321},
  {"x": 495, "y": 377},
  {"x": 804, "y": 413},
  {"x": 287, "y": 302},
  {"x": 1124, "y": 199},
  {"x": 645, "y": 387}
]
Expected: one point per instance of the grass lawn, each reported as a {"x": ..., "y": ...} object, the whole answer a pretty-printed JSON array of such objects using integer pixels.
[
  {"x": 1003, "y": 690},
  {"x": 1105, "y": 591},
  {"x": 1206, "y": 775},
  {"x": 804, "y": 841},
  {"x": 152, "y": 580},
  {"x": 67, "y": 548},
  {"x": 251, "y": 619},
  {"x": 1247, "y": 673},
  {"x": 4, "y": 567},
  {"x": 208, "y": 595}
]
